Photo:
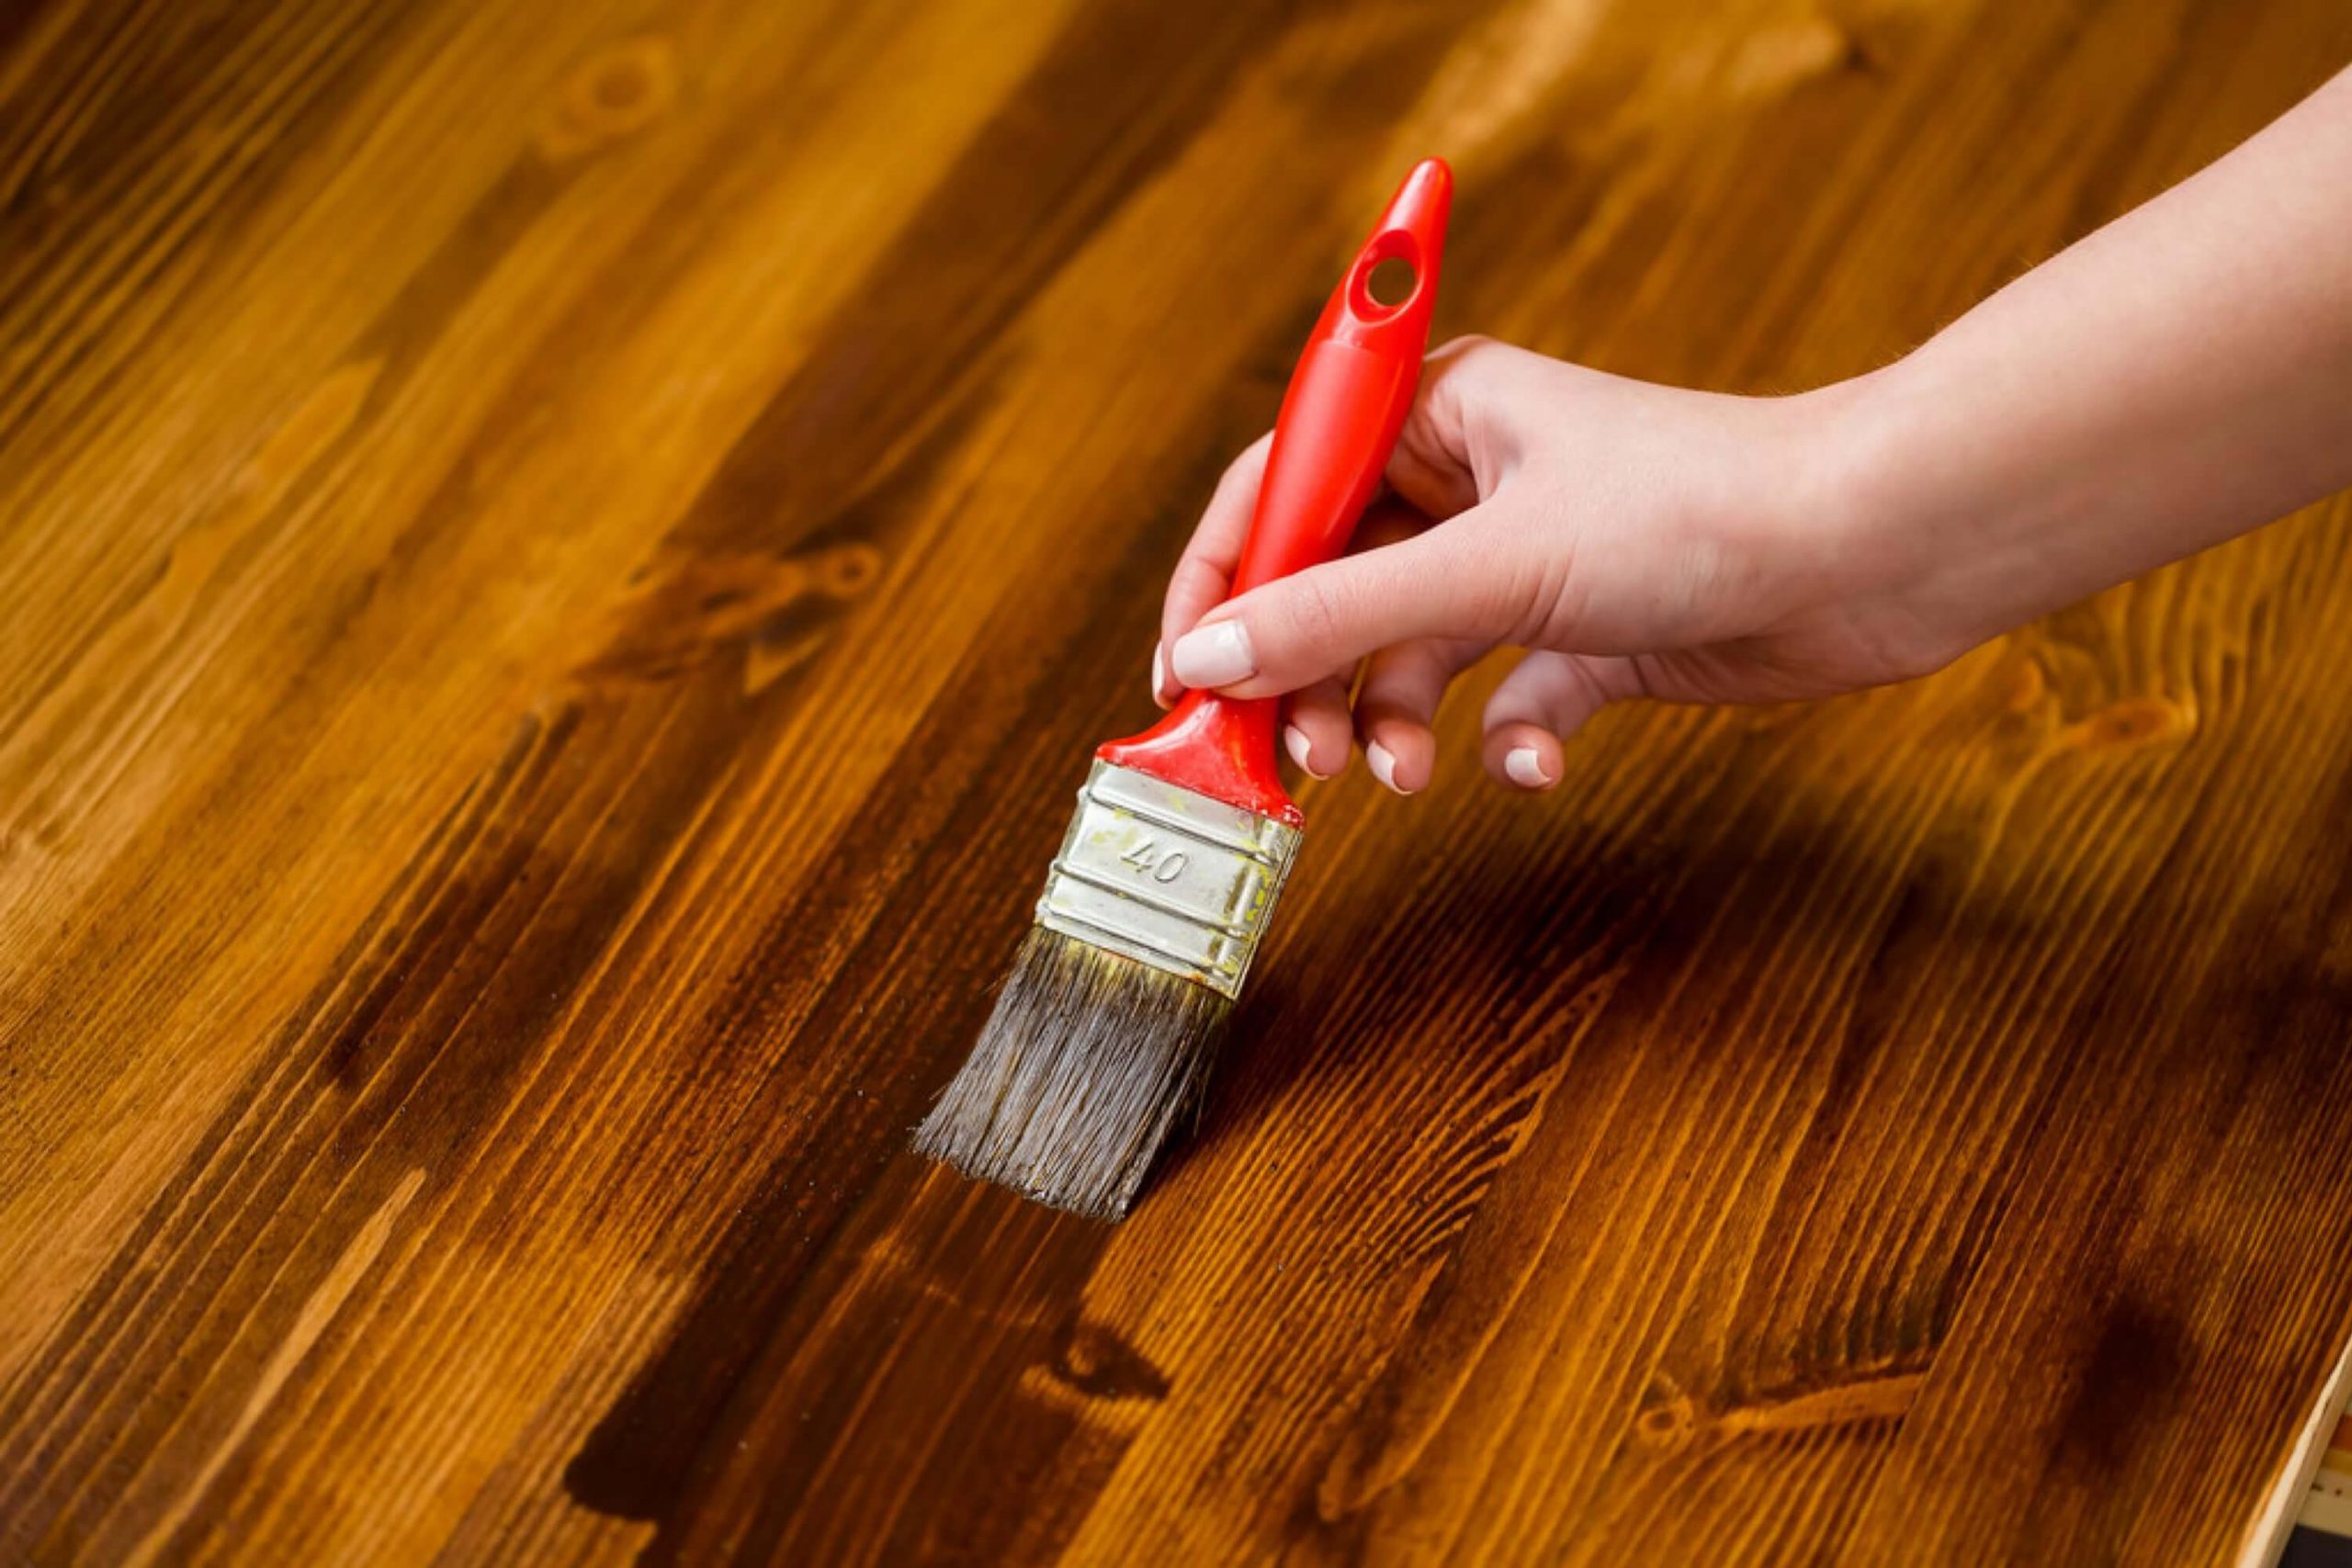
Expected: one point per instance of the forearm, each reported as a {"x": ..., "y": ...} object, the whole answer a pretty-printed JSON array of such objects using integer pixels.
[{"x": 2177, "y": 378}]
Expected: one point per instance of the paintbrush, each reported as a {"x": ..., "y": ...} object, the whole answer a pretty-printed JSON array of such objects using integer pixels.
[{"x": 1110, "y": 1019}]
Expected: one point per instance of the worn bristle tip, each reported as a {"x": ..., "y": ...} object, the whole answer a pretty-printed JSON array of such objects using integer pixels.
[{"x": 1086, "y": 1065}]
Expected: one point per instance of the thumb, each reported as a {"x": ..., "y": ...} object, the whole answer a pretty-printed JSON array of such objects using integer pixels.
[{"x": 1459, "y": 578}]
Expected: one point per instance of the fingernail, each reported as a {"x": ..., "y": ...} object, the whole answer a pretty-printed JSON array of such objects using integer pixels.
[
  {"x": 1213, "y": 655},
  {"x": 1158, "y": 674},
  {"x": 1382, "y": 762},
  {"x": 1294, "y": 741},
  {"x": 1526, "y": 768}
]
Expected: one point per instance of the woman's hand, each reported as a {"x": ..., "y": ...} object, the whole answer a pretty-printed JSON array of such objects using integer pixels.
[
  {"x": 1638, "y": 540},
  {"x": 2177, "y": 378}
]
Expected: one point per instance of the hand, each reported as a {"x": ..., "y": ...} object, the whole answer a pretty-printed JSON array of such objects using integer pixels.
[
  {"x": 1638, "y": 540},
  {"x": 2174, "y": 380}
]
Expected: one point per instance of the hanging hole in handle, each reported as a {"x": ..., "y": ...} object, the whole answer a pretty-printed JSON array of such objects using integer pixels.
[
  {"x": 1390, "y": 282},
  {"x": 1388, "y": 278}
]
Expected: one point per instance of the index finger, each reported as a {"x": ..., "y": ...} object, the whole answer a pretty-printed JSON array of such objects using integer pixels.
[{"x": 1204, "y": 574}]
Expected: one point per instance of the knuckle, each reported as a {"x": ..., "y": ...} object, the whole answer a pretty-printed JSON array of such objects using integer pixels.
[
  {"x": 1313, "y": 612},
  {"x": 1550, "y": 608},
  {"x": 1506, "y": 588},
  {"x": 1243, "y": 469},
  {"x": 1535, "y": 603},
  {"x": 1194, "y": 575},
  {"x": 1234, "y": 484}
]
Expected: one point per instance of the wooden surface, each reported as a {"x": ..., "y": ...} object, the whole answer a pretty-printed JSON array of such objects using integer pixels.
[{"x": 559, "y": 564}]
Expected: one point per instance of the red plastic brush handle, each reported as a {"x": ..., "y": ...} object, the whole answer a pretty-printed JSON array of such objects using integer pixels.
[{"x": 1339, "y": 420}]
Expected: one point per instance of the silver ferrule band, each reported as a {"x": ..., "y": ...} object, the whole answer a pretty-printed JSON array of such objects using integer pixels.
[{"x": 1167, "y": 876}]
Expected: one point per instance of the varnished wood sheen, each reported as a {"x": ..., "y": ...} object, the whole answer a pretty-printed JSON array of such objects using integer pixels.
[{"x": 561, "y": 562}]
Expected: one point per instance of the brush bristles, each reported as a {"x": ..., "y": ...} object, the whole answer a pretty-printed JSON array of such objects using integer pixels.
[{"x": 1085, "y": 1066}]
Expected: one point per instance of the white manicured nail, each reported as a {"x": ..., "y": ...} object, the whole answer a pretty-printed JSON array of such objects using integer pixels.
[
  {"x": 1294, "y": 741},
  {"x": 1525, "y": 768},
  {"x": 1158, "y": 674},
  {"x": 1382, "y": 762},
  {"x": 1213, "y": 655}
]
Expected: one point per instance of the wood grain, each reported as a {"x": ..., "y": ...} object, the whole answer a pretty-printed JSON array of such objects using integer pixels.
[{"x": 560, "y": 562}]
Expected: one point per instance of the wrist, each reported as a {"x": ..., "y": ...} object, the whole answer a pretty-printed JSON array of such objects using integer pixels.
[
  {"x": 1848, "y": 479},
  {"x": 1892, "y": 530}
]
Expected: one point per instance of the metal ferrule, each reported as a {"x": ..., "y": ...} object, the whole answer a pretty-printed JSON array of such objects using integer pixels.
[{"x": 1167, "y": 876}]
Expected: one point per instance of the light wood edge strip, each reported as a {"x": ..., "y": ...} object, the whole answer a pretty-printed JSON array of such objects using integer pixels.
[{"x": 2266, "y": 1538}]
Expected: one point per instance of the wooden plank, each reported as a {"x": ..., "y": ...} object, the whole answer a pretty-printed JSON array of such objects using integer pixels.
[{"x": 561, "y": 561}]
